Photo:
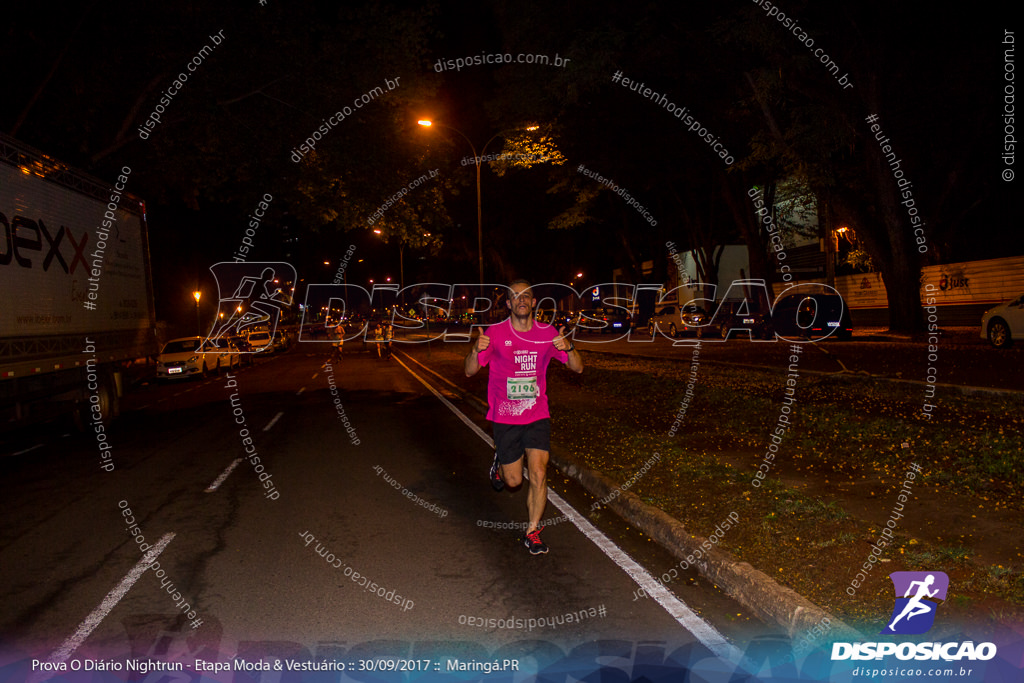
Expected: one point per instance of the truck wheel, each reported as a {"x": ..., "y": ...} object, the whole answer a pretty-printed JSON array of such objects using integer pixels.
[{"x": 106, "y": 398}]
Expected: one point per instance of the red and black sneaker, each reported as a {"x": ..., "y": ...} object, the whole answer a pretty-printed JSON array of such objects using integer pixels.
[
  {"x": 496, "y": 482},
  {"x": 533, "y": 543}
]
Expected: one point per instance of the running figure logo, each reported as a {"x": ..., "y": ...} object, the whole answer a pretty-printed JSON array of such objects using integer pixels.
[
  {"x": 915, "y": 611},
  {"x": 251, "y": 296}
]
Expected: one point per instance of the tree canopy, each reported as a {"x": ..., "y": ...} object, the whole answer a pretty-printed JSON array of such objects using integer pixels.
[{"x": 317, "y": 105}]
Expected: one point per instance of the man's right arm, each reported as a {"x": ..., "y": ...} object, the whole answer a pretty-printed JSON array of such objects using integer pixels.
[{"x": 472, "y": 364}]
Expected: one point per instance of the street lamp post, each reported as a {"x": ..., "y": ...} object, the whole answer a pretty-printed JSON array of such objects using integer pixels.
[
  {"x": 477, "y": 161},
  {"x": 199, "y": 328},
  {"x": 401, "y": 257}
]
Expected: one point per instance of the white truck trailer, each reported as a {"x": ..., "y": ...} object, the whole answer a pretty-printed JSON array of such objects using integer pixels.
[{"x": 76, "y": 292}]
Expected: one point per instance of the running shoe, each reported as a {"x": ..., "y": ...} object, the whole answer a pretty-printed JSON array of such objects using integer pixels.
[
  {"x": 495, "y": 475},
  {"x": 534, "y": 544}
]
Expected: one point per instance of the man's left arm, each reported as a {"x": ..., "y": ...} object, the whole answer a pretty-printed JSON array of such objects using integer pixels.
[{"x": 574, "y": 361}]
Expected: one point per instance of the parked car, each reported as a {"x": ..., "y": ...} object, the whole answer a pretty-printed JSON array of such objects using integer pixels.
[
  {"x": 616, "y": 320},
  {"x": 184, "y": 357},
  {"x": 677, "y": 320},
  {"x": 260, "y": 340},
  {"x": 244, "y": 349},
  {"x": 1004, "y": 323},
  {"x": 812, "y": 316},
  {"x": 552, "y": 316},
  {"x": 695, "y": 320},
  {"x": 281, "y": 341},
  {"x": 228, "y": 355},
  {"x": 743, "y": 314},
  {"x": 603, "y": 320},
  {"x": 666, "y": 319}
]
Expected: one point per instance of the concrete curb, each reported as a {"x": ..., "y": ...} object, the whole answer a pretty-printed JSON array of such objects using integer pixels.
[{"x": 751, "y": 587}]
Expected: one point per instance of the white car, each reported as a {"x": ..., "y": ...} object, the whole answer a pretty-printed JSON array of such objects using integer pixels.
[
  {"x": 230, "y": 355},
  {"x": 185, "y": 358},
  {"x": 281, "y": 341},
  {"x": 1004, "y": 323},
  {"x": 260, "y": 340}
]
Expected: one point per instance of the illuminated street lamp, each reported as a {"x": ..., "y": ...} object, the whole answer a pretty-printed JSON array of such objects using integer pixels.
[
  {"x": 831, "y": 245},
  {"x": 199, "y": 329}
]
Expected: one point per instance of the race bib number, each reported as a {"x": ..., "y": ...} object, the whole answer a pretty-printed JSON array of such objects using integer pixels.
[{"x": 521, "y": 387}]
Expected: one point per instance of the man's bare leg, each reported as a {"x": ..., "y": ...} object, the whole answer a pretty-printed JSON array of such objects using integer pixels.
[
  {"x": 537, "y": 496},
  {"x": 512, "y": 473}
]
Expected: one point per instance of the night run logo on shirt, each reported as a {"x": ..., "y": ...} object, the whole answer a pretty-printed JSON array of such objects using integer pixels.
[{"x": 526, "y": 360}]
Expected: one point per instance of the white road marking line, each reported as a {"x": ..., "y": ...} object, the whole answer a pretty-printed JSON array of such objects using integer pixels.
[
  {"x": 223, "y": 475},
  {"x": 274, "y": 421},
  {"x": 315, "y": 374},
  {"x": 27, "y": 450},
  {"x": 679, "y": 610},
  {"x": 458, "y": 413},
  {"x": 109, "y": 602},
  {"x": 299, "y": 392}
]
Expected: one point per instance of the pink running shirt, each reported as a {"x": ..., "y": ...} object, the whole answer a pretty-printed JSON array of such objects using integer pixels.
[{"x": 517, "y": 380}]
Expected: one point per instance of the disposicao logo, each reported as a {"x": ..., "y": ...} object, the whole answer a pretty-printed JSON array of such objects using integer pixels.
[{"x": 918, "y": 595}]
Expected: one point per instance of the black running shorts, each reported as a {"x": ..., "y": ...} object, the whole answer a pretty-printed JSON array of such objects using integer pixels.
[{"x": 511, "y": 441}]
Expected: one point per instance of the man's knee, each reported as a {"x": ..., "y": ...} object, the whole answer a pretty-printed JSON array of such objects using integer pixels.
[
  {"x": 512, "y": 479},
  {"x": 538, "y": 466}
]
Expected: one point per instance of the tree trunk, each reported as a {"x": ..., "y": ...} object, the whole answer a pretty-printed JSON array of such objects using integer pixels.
[{"x": 735, "y": 195}]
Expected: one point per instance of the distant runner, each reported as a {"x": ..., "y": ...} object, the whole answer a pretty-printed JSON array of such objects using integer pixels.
[
  {"x": 518, "y": 350},
  {"x": 338, "y": 334}
]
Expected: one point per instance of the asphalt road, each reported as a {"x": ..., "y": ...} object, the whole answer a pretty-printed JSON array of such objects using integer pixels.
[{"x": 369, "y": 533}]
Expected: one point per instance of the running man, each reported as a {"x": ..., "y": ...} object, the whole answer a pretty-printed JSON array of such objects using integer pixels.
[
  {"x": 518, "y": 351},
  {"x": 916, "y": 605}
]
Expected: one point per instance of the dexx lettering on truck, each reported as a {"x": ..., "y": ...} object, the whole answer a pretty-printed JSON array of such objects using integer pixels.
[{"x": 77, "y": 292}]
